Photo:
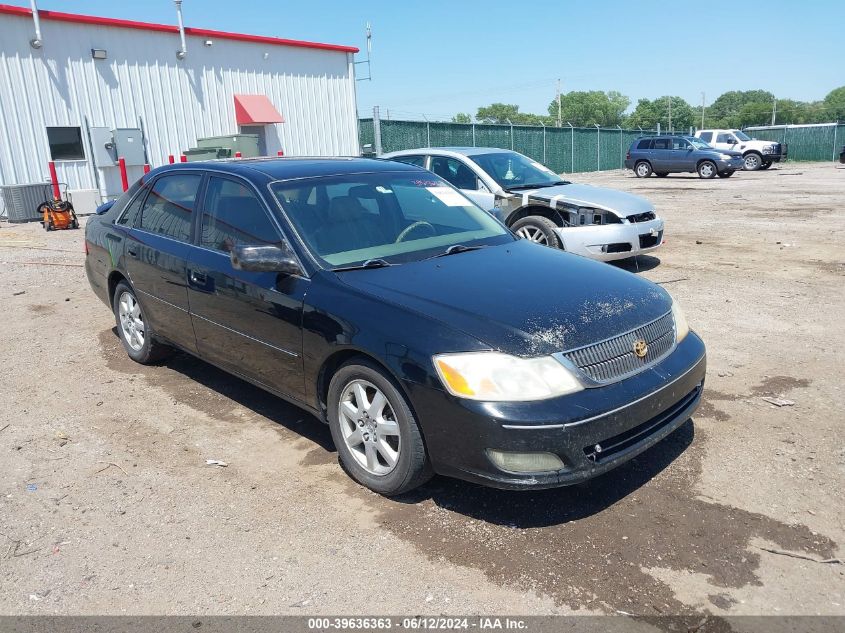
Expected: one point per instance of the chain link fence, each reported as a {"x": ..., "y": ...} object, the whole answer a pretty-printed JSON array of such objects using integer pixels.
[
  {"x": 573, "y": 149},
  {"x": 806, "y": 142},
  {"x": 563, "y": 149}
]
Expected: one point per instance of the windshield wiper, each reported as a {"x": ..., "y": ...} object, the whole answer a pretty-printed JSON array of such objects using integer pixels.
[
  {"x": 539, "y": 185},
  {"x": 455, "y": 249},
  {"x": 370, "y": 263}
]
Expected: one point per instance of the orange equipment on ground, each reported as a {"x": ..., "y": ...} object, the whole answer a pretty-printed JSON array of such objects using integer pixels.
[{"x": 57, "y": 214}]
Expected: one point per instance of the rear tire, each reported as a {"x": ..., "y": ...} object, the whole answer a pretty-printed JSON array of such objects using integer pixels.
[
  {"x": 537, "y": 229},
  {"x": 706, "y": 169},
  {"x": 642, "y": 169},
  {"x": 134, "y": 330},
  {"x": 753, "y": 161},
  {"x": 725, "y": 174},
  {"x": 379, "y": 445}
]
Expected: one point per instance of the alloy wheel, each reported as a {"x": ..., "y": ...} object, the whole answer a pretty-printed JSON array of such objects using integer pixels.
[
  {"x": 533, "y": 234},
  {"x": 131, "y": 321},
  {"x": 369, "y": 427},
  {"x": 752, "y": 162}
]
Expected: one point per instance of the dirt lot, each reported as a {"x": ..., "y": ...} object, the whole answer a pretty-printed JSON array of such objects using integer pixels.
[{"x": 107, "y": 505}]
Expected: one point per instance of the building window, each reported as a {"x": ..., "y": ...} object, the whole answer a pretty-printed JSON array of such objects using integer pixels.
[{"x": 65, "y": 143}]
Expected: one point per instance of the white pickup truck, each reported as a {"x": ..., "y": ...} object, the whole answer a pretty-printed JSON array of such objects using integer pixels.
[{"x": 757, "y": 154}]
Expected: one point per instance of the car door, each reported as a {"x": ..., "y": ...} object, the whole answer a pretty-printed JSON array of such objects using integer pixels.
[
  {"x": 683, "y": 157},
  {"x": 661, "y": 154},
  {"x": 246, "y": 322},
  {"x": 463, "y": 177},
  {"x": 155, "y": 254},
  {"x": 724, "y": 140}
]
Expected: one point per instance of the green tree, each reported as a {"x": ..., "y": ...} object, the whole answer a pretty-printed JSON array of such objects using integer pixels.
[
  {"x": 834, "y": 104},
  {"x": 725, "y": 111},
  {"x": 462, "y": 117},
  {"x": 584, "y": 109},
  {"x": 648, "y": 114},
  {"x": 504, "y": 112}
]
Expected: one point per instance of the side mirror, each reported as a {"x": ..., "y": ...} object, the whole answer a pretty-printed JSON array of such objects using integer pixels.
[{"x": 262, "y": 259}]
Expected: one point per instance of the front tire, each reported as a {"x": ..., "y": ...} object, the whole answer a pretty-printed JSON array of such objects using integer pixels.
[
  {"x": 753, "y": 161},
  {"x": 134, "y": 330},
  {"x": 706, "y": 169},
  {"x": 642, "y": 169},
  {"x": 537, "y": 229},
  {"x": 374, "y": 430}
]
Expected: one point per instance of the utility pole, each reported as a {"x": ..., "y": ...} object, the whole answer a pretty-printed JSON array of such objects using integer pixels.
[
  {"x": 559, "y": 121},
  {"x": 774, "y": 110},
  {"x": 702, "y": 110}
]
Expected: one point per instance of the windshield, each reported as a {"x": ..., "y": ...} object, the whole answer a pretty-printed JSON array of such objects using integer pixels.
[
  {"x": 510, "y": 170},
  {"x": 698, "y": 143},
  {"x": 396, "y": 217},
  {"x": 742, "y": 136}
]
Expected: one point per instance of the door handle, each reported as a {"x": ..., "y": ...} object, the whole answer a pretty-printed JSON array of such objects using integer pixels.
[
  {"x": 131, "y": 250},
  {"x": 197, "y": 277}
]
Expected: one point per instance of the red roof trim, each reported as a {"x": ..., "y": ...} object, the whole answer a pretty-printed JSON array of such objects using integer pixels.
[{"x": 167, "y": 28}]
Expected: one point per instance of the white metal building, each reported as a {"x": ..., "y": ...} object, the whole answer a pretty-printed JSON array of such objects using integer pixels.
[{"x": 93, "y": 78}]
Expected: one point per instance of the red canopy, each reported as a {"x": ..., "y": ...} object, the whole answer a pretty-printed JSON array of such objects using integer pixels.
[{"x": 255, "y": 110}]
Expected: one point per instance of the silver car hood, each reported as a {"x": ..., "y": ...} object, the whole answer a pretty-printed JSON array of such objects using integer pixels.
[{"x": 618, "y": 202}]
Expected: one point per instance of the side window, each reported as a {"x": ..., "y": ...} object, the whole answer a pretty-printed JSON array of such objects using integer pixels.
[
  {"x": 706, "y": 136},
  {"x": 419, "y": 161},
  {"x": 170, "y": 205},
  {"x": 130, "y": 213},
  {"x": 724, "y": 137},
  {"x": 455, "y": 172},
  {"x": 644, "y": 144},
  {"x": 661, "y": 143},
  {"x": 233, "y": 214},
  {"x": 680, "y": 143}
]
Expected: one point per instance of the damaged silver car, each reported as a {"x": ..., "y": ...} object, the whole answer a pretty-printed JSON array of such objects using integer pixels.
[{"x": 538, "y": 205}]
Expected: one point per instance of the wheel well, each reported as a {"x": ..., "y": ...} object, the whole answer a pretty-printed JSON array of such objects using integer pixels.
[
  {"x": 704, "y": 160},
  {"x": 752, "y": 151},
  {"x": 333, "y": 363},
  {"x": 546, "y": 212},
  {"x": 114, "y": 279}
]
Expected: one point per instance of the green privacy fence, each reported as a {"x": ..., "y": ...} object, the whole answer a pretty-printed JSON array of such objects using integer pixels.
[
  {"x": 573, "y": 149},
  {"x": 563, "y": 149},
  {"x": 806, "y": 142}
]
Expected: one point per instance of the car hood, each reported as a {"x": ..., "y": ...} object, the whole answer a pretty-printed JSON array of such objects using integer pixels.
[
  {"x": 519, "y": 298},
  {"x": 619, "y": 202},
  {"x": 729, "y": 152}
]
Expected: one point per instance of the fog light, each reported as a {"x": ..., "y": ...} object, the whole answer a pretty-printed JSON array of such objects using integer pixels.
[{"x": 525, "y": 462}]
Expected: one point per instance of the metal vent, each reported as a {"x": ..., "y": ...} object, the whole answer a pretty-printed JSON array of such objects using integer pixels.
[
  {"x": 614, "y": 359},
  {"x": 21, "y": 202}
]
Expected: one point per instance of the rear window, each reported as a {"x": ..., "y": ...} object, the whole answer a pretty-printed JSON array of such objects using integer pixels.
[
  {"x": 644, "y": 144},
  {"x": 706, "y": 136},
  {"x": 661, "y": 143},
  {"x": 169, "y": 205}
]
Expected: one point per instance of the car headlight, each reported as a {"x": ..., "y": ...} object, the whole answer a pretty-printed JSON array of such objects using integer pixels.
[
  {"x": 769, "y": 149},
  {"x": 681, "y": 325},
  {"x": 500, "y": 377},
  {"x": 725, "y": 156}
]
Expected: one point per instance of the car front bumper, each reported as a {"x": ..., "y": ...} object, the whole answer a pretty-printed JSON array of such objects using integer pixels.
[
  {"x": 608, "y": 242},
  {"x": 734, "y": 164},
  {"x": 623, "y": 418}
]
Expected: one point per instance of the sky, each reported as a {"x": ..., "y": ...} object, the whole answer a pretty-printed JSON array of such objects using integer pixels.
[{"x": 436, "y": 58}]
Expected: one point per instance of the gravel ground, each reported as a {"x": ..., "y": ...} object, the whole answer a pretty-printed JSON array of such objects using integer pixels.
[{"x": 108, "y": 507}]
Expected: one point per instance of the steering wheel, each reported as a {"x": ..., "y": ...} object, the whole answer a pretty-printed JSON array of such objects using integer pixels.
[{"x": 413, "y": 227}]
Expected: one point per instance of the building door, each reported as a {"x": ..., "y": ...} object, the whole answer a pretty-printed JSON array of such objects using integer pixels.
[{"x": 261, "y": 131}]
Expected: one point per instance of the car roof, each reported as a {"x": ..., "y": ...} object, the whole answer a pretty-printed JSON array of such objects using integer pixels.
[
  {"x": 445, "y": 151},
  {"x": 289, "y": 168}
]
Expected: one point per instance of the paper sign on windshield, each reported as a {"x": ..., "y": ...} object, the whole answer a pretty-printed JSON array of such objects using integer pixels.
[{"x": 447, "y": 196}]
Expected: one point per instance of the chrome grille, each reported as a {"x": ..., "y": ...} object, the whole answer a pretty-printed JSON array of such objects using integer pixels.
[{"x": 614, "y": 358}]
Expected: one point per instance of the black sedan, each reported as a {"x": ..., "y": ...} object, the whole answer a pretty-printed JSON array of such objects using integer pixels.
[{"x": 378, "y": 297}]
